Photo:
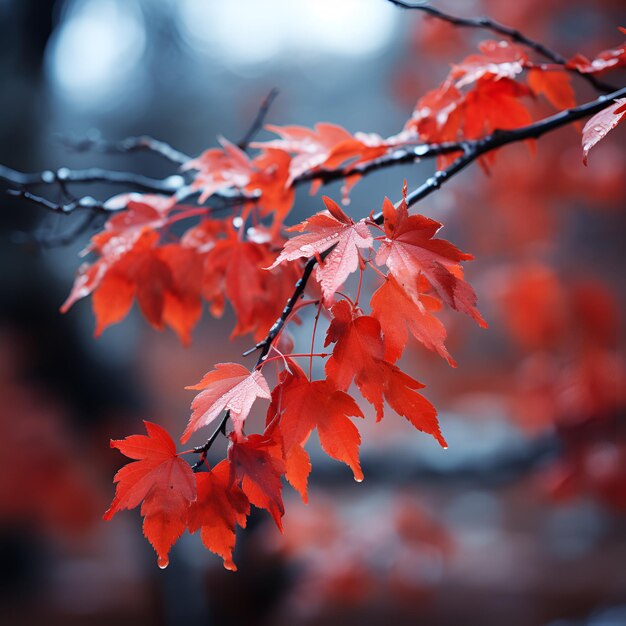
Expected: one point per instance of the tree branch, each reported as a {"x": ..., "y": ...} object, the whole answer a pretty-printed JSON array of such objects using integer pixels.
[
  {"x": 259, "y": 119},
  {"x": 512, "y": 33},
  {"x": 93, "y": 141}
]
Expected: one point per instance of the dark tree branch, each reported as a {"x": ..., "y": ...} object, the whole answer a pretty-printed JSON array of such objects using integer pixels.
[
  {"x": 93, "y": 141},
  {"x": 515, "y": 35},
  {"x": 64, "y": 176},
  {"x": 259, "y": 119},
  {"x": 50, "y": 240},
  {"x": 86, "y": 202}
]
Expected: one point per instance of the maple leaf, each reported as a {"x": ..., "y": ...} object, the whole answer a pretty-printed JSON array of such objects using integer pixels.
[
  {"x": 494, "y": 105},
  {"x": 328, "y": 146},
  {"x": 556, "y": 86},
  {"x": 436, "y": 117},
  {"x": 218, "y": 508},
  {"x": 358, "y": 355},
  {"x": 606, "y": 60},
  {"x": 255, "y": 466},
  {"x": 164, "y": 280},
  {"x": 329, "y": 230},
  {"x": 236, "y": 269},
  {"x": 229, "y": 387},
  {"x": 163, "y": 481},
  {"x": 265, "y": 179},
  {"x": 601, "y": 124},
  {"x": 499, "y": 59},
  {"x": 399, "y": 312},
  {"x": 220, "y": 168},
  {"x": 301, "y": 405},
  {"x": 296, "y": 460},
  {"x": 410, "y": 249}
]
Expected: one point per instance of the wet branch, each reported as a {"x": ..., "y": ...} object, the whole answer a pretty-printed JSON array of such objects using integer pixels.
[
  {"x": 94, "y": 142},
  {"x": 259, "y": 119}
]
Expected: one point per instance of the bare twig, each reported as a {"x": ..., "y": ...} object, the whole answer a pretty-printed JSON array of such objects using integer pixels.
[
  {"x": 93, "y": 141},
  {"x": 259, "y": 119},
  {"x": 64, "y": 176}
]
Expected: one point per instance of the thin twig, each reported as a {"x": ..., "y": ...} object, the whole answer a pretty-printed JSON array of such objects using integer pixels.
[
  {"x": 93, "y": 141},
  {"x": 259, "y": 119},
  {"x": 64, "y": 175}
]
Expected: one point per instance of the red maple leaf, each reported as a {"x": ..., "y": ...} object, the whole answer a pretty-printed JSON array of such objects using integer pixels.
[
  {"x": 299, "y": 406},
  {"x": 598, "y": 127},
  {"x": 410, "y": 250},
  {"x": 329, "y": 230},
  {"x": 163, "y": 481},
  {"x": 256, "y": 467},
  {"x": 219, "y": 507},
  {"x": 131, "y": 265},
  {"x": 236, "y": 269},
  {"x": 451, "y": 112},
  {"x": 229, "y": 387},
  {"x": 264, "y": 180},
  {"x": 398, "y": 312},
  {"x": 606, "y": 60},
  {"x": 358, "y": 355},
  {"x": 327, "y": 146},
  {"x": 498, "y": 59},
  {"x": 556, "y": 86}
]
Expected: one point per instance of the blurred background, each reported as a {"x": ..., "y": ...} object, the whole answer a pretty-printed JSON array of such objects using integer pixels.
[{"x": 519, "y": 522}]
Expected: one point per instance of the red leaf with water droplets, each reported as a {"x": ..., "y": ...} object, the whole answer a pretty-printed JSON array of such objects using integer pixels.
[
  {"x": 598, "y": 127},
  {"x": 159, "y": 478},
  {"x": 606, "y": 60},
  {"x": 411, "y": 250},
  {"x": 498, "y": 60},
  {"x": 229, "y": 387},
  {"x": 327, "y": 146},
  {"x": 329, "y": 230},
  {"x": 220, "y": 506}
]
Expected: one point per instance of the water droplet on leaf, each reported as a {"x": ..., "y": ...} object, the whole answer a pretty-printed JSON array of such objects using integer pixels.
[{"x": 163, "y": 562}]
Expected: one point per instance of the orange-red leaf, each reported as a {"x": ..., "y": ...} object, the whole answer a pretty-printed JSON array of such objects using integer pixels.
[
  {"x": 229, "y": 387},
  {"x": 556, "y": 86},
  {"x": 257, "y": 469},
  {"x": 219, "y": 507},
  {"x": 498, "y": 60},
  {"x": 162, "y": 480},
  {"x": 358, "y": 355},
  {"x": 398, "y": 312},
  {"x": 606, "y": 60},
  {"x": 411, "y": 249},
  {"x": 301, "y": 405}
]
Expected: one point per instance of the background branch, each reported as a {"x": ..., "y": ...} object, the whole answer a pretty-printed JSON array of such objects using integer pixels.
[
  {"x": 515, "y": 35},
  {"x": 93, "y": 141},
  {"x": 259, "y": 119}
]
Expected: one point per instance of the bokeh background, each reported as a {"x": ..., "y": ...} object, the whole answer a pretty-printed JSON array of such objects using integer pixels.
[{"x": 519, "y": 522}]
